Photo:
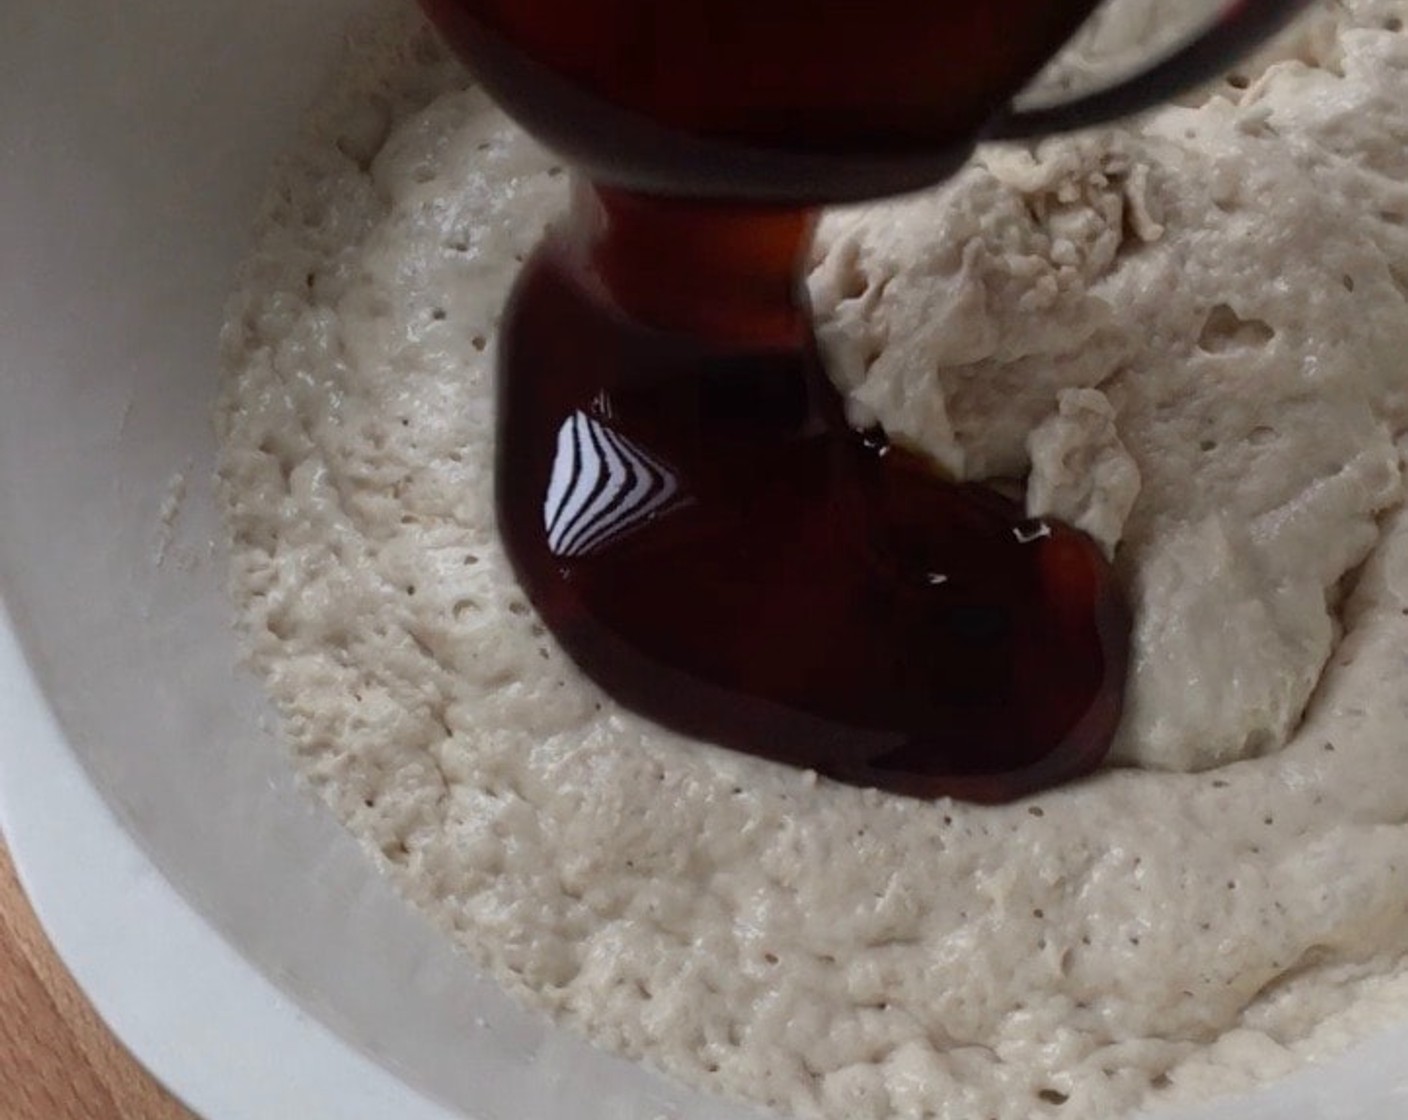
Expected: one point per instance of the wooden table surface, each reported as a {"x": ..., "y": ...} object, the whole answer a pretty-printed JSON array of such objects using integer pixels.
[{"x": 57, "y": 1060}]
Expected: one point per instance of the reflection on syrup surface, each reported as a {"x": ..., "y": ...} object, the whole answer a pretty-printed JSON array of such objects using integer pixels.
[
  {"x": 603, "y": 485},
  {"x": 710, "y": 541}
]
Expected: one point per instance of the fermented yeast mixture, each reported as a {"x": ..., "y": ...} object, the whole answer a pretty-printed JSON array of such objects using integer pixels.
[{"x": 1188, "y": 336}]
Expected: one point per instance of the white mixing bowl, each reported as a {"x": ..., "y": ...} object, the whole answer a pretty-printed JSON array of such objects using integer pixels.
[{"x": 226, "y": 927}]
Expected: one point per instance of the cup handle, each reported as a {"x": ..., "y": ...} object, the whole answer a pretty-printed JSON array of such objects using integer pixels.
[{"x": 1242, "y": 26}]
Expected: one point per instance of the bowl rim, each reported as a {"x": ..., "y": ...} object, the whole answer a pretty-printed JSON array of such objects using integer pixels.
[{"x": 151, "y": 966}]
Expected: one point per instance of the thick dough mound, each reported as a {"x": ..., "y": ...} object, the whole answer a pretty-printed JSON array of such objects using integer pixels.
[{"x": 1232, "y": 280}]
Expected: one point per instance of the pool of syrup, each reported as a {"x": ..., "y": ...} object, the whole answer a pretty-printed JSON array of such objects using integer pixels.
[{"x": 709, "y": 540}]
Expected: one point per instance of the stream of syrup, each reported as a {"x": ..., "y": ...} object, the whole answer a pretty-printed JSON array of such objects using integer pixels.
[{"x": 677, "y": 485}]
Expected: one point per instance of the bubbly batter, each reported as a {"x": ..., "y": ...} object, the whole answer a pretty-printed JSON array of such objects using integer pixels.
[{"x": 1188, "y": 336}]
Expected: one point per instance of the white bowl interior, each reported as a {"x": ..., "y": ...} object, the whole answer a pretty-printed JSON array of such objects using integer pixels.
[{"x": 134, "y": 142}]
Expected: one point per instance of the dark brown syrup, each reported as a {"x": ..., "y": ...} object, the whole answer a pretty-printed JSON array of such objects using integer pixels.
[
  {"x": 795, "y": 100},
  {"x": 677, "y": 486},
  {"x": 711, "y": 542}
]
